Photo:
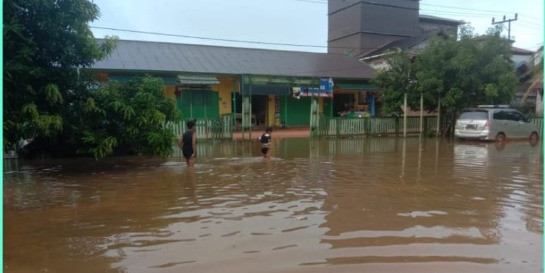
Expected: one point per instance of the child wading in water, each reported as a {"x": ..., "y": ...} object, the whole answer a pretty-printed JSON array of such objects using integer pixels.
[
  {"x": 265, "y": 140},
  {"x": 188, "y": 144}
]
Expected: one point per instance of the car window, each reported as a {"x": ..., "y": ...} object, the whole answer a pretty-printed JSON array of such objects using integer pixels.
[
  {"x": 519, "y": 117},
  {"x": 511, "y": 116},
  {"x": 500, "y": 115},
  {"x": 477, "y": 115}
]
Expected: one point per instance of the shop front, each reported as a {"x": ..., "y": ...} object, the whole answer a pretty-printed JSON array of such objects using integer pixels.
[
  {"x": 355, "y": 100},
  {"x": 204, "y": 96},
  {"x": 272, "y": 101}
]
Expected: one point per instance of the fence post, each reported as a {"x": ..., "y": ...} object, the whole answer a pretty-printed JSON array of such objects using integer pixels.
[
  {"x": 426, "y": 124},
  {"x": 338, "y": 125}
]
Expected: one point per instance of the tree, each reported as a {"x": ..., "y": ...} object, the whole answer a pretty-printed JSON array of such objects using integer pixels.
[
  {"x": 50, "y": 97},
  {"x": 461, "y": 73},
  {"x": 395, "y": 81},
  {"x": 45, "y": 42},
  {"x": 534, "y": 85},
  {"x": 128, "y": 116}
]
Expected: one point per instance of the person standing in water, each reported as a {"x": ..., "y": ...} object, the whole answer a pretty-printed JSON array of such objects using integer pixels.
[
  {"x": 188, "y": 144},
  {"x": 265, "y": 140}
]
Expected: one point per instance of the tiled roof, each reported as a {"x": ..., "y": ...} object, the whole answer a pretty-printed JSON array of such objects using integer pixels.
[{"x": 146, "y": 56}]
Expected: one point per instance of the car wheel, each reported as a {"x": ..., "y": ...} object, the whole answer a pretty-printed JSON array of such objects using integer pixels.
[{"x": 500, "y": 137}]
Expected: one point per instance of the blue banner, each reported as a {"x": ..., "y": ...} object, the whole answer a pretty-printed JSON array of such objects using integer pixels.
[{"x": 326, "y": 85}]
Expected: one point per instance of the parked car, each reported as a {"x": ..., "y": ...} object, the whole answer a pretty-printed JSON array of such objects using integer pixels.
[{"x": 489, "y": 122}]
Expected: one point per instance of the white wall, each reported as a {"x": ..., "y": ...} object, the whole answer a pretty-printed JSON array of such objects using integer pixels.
[
  {"x": 539, "y": 105},
  {"x": 529, "y": 59},
  {"x": 538, "y": 56},
  {"x": 377, "y": 64}
]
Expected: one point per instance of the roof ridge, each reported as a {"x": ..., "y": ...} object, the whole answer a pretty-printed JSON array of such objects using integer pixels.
[{"x": 220, "y": 46}]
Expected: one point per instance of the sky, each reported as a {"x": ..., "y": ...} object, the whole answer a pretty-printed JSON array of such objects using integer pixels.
[{"x": 295, "y": 22}]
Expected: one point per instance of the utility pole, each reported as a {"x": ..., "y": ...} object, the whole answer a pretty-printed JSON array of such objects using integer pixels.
[{"x": 508, "y": 21}]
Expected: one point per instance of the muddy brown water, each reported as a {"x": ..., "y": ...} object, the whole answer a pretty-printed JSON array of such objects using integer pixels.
[{"x": 349, "y": 205}]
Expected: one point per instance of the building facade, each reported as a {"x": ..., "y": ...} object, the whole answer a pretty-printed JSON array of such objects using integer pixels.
[{"x": 208, "y": 82}]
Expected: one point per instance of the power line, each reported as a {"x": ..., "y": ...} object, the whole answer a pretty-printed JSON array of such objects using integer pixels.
[
  {"x": 273, "y": 43},
  {"x": 530, "y": 26},
  {"x": 458, "y": 12},
  {"x": 482, "y": 10},
  {"x": 531, "y": 23},
  {"x": 408, "y": 8},
  {"x": 225, "y": 40},
  {"x": 492, "y": 12},
  {"x": 474, "y": 15},
  {"x": 205, "y": 38}
]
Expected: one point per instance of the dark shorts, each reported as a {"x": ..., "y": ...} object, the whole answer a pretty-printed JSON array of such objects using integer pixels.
[
  {"x": 264, "y": 150},
  {"x": 187, "y": 154}
]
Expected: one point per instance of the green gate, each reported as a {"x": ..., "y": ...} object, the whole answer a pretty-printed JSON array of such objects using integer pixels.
[
  {"x": 199, "y": 104},
  {"x": 296, "y": 111}
]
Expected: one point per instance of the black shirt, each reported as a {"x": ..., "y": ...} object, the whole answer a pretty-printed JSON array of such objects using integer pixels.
[
  {"x": 187, "y": 145},
  {"x": 265, "y": 139}
]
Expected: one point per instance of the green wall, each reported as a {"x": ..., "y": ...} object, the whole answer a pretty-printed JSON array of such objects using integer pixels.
[{"x": 328, "y": 107}]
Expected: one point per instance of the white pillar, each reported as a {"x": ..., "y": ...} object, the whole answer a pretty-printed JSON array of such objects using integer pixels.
[
  {"x": 314, "y": 116},
  {"x": 246, "y": 115}
]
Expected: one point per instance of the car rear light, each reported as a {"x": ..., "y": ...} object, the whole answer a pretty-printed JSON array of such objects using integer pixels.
[{"x": 487, "y": 124}]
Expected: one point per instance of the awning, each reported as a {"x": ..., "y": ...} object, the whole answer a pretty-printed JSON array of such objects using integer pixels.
[
  {"x": 127, "y": 78},
  {"x": 197, "y": 80},
  {"x": 262, "y": 79},
  {"x": 357, "y": 86},
  {"x": 267, "y": 89}
]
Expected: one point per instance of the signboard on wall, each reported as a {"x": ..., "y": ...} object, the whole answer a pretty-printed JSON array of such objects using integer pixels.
[
  {"x": 326, "y": 85},
  {"x": 325, "y": 90}
]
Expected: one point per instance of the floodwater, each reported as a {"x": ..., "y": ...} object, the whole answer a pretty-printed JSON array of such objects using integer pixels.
[{"x": 347, "y": 205}]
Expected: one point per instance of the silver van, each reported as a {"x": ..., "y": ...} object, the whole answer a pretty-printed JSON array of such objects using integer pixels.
[{"x": 497, "y": 123}]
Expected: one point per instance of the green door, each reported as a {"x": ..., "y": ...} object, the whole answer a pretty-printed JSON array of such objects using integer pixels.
[
  {"x": 200, "y": 104},
  {"x": 296, "y": 111},
  {"x": 328, "y": 107},
  {"x": 212, "y": 105},
  {"x": 186, "y": 104}
]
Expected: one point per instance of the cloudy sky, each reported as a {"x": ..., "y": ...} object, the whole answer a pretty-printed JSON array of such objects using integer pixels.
[{"x": 299, "y": 22}]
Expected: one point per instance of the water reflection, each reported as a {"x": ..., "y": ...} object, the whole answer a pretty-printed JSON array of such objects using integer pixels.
[{"x": 377, "y": 204}]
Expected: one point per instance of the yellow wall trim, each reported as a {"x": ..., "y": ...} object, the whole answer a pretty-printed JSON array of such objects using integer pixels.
[{"x": 225, "y": 88}]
